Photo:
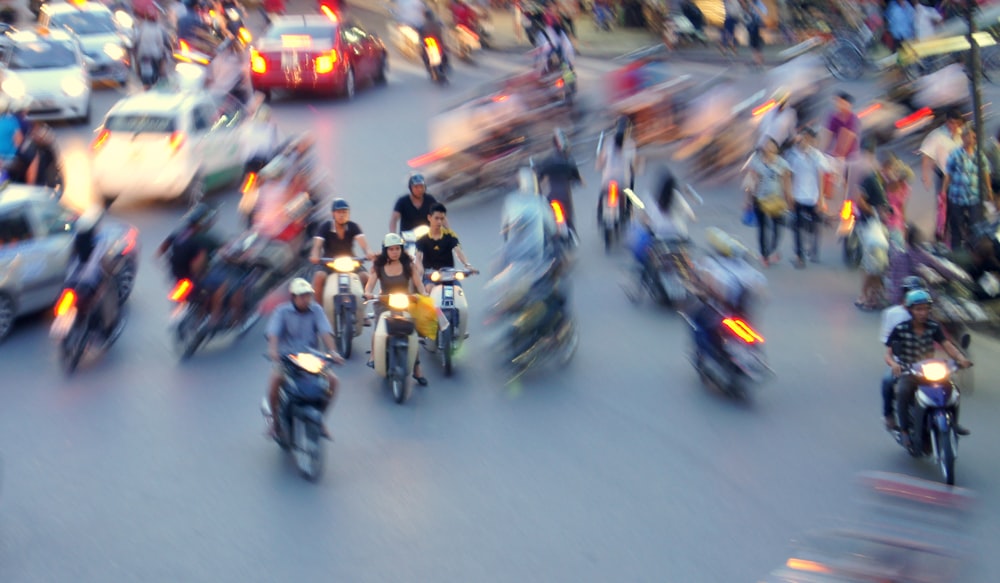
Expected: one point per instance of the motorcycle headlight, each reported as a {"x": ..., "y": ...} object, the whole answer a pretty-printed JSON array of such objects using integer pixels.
[
  {"x": 934, "y": 371},
  {"x": 73, "y": 86},
  {"x": 399, "y": 302},
  {"x": 114, "y": 51},
  {"x": 344, "y": 264},
  {"x": 13, "y": 87},
  {"x": 308, "y": 362}
]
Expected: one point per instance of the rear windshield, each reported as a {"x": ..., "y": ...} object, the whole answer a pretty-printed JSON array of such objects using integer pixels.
[
  {"x": 137, "y": 123},
  {"x": 316, "y": 33}
]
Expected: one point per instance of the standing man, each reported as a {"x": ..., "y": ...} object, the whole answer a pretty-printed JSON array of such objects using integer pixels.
[
  {"x": 807, "y": 165},
  {"x": 965, "y": 194},
  {"x": 936, "y": 147}
]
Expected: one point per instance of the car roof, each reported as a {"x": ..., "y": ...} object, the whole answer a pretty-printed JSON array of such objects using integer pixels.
[
  {"x": 317, "y": 20},
  {"x": 154, "y": 102},
  {"x": 37, "y": 34},
  {"x": 66, "y": 7},
  {"x": 13, "y": 194}
]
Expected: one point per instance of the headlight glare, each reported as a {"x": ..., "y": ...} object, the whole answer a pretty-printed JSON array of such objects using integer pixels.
[{"x": 73, "y": 86}]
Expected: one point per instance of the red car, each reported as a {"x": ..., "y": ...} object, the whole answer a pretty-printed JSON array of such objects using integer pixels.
[{"x": 316, "y": 53}]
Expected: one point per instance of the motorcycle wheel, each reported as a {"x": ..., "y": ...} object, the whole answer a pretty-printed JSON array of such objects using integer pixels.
[
  {"x": 188, "y": 337},
  {"x": 308, "y": 449},
  {"x": 845, "y": 62},
  {"x": 397, "y": 375},
  {"x": 852, "y": 251},
  {"x": 445, "y": 347},
  {"x": 609, "y": 238},
  {"x": 73, "y": 347},
  {"x": 345, "y": 338},
  {"x": 946, "y": 453}
]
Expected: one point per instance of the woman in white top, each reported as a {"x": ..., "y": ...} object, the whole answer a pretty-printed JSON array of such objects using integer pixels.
[{"x": 667, "y": 216}]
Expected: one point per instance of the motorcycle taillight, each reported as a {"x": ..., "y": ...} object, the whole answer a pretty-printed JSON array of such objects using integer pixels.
[{"x": 743, "y": 331}]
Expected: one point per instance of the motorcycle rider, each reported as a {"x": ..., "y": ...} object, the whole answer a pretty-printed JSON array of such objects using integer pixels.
[
  {"x": 191, "y": 26},
  {"x": 395, "y": 273},
  {"x": 665, "y": 219},
  {"x": 432, "y": 28},
  {"x": 297, "y": 326},
  {"x": 336, "y": 238},
  {"x": 152, "y": 42},
  {"x": 779, "y": 123},
  {"x": 618, "y": 160},
  {"x": 561, "y": 172},
  {"x": 413, "y": 210},
  {"x": 93, "y": 269},
  {"x": 37, "y": 160},
  {"x": 439, "y": 247},
  {"x": 260, "y": 142},
  {"x": 892, "y": 317},
  {"x": 911, "y": 342}
]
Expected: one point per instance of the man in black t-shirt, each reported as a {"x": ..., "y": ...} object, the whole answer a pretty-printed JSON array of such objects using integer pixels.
[
  {"x": 438, "y": 248},
  {"x": 412, "y": 210},
  {"x": 335, "y": 239}
]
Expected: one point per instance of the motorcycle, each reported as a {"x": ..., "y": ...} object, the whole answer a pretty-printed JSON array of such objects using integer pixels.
[
  {"x": 740, "y": 360},
  {"x": 435, "y": 61},
  {"x": 342, "y": 303},
  {"x": 450, "y": 300},
  {"x": 667, "y": 283},
  {"x": 395, "y": 345},
  {"x": 465, "y": 41},
  {"x": 612, "y": 217},
  {"x": 78, "y": 327},
  {"x": 932, "y": 427},
  {"x": 303, "y": 397}
]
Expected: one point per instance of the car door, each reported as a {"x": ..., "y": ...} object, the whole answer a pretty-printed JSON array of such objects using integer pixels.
[
  {"x": 29, "y": 274},
  {"x": 53, "y": 226}
]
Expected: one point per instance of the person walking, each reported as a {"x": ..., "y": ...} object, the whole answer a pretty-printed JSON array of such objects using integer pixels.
[
  {"x": 768, "y": 194},
  {"x": 734, "y": 15},
  {"x": 964, "y": 192},
  {"x": 807, "y": 165},
  {"x": 936, "y": 147}
]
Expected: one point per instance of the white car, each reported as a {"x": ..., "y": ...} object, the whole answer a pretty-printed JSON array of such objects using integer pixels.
[
  {"x": 104, "y": 42},
  {"x": 161, "y": 145},
  {"x": 47, "y": 71}
]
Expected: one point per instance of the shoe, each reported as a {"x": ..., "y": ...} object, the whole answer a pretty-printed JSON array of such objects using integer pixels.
[
  {"x": 890, "y": 423},
  {"x": 420, "y": 380},
  {"x": 959, "y": 430}
]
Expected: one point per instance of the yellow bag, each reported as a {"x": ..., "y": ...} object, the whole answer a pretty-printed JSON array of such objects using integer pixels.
[
  {"x": 424, "y": 316},
  {"x": 773, "y": 206}
]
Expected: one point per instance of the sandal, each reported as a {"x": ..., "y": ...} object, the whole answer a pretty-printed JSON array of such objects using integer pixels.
[{"x": 420, "y": 380}]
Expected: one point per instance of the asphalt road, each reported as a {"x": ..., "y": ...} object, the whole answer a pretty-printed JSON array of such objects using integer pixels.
[{"x": 618, "y": 467}]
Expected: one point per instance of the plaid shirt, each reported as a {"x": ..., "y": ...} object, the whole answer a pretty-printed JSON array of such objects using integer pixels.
[
  {"x": 964, "y": 175},
  {"x": 908, "y": 347}
]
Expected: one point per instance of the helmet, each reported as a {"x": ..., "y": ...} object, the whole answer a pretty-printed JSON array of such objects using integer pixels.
[
  {"x": 560, "y": 140},
  {"x": 918, "y": 297},
  {"x": 340, "y": 204},
  {"x": 912, "y": 283},
  {"x": 392, "y": 240},
  {"x": 416, "y": 179},
  {"x": 300, "y": 286}
]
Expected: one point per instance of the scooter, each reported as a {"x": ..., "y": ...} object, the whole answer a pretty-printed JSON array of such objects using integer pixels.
[
  {"x": 149, "y": 73},
  {"x": 434, "y": 60},
  {"x": 395, "y": 345},
  {"x": 932, "y": 427},
  {"x": 450, "y": 300},
  {"x": 78, "y": 326},
  {"x": 611, "y": 214},
  {"x": 303, "y": 397},
  {"x": 342, "y": 301},
  {"x": 465, "y": 41},
  {"x": 738, "y": 363}
]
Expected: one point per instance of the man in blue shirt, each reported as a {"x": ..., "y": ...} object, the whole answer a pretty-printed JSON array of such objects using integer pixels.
[
  {"x": 10, "y": 135},
  {"x": 965, "y": 195},
  {"x": 297, "y": 326},
  {"x": 900, "y": 17}
]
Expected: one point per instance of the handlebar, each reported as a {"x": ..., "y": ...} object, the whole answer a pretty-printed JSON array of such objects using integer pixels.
[{"x": 449, "y": 274}]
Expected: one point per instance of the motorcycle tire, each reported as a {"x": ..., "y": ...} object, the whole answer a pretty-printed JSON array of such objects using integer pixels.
[
  {"x": 188, "y": 335},
  {"x": 445, "y": 347},
  {"x": 397, "y": 375},
  {"x": 852, "y": 250},
  {"x": 73, "y": 347},
  {"x": 946, "y": 453},
  {"x": 308, "y": 449},
  {"x": 345, "y": 332}
]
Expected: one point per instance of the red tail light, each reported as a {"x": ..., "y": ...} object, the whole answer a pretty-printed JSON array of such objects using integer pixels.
[
  {"x": 177, "y": 140},
  {"x": 324, "y": 63},
  {"x": 181, "y": 291},
  {"x": 430, "y": 157},
  {"x": 185, "y": 47},
  {"x": 257, "y": 62},
  {"x": 557, "y": 209},
  {"x": 870, "y": 109},
  {"x": 250, "y": 181},
  {"x": 743, "y": 331},
  {"x": 245, "y": 36},
  {"x": 328, "y": 11},
  {"x": 613, "y": 193},
  {"x": 130, "y": 239},
  {"x": 102, "y": 137},
  {"x": 67, "y": 301},
  {"x": 847, "y": 211},
  {"x": 560, "y": 83},
  {"x": 914, "y": 118}
]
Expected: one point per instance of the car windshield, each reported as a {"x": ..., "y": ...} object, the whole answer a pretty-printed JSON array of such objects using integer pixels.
[
  {"x": 302, "y": 34},
  {"x": 140, "y": 123},
  {"x": 42, "y": 55},
  {"x": 86, "y": 22}
]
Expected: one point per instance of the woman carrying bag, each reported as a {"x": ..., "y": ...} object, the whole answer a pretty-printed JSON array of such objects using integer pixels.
[{"x": 769, "y": 189}]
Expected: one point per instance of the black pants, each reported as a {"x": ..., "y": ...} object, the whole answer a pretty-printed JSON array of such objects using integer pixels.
[
  {"x": 961, "y": 220},
  {"x": 768, "y": 231},
  {"x": 806, "y": 219}
]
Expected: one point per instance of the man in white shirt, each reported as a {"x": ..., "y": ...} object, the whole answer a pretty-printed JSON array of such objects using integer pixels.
[
  {"x": 891, "y": 317},
  {"x": 938, "y": 145},
  {"x": 925, "y": 18},
  {"x": 778, "y": 124},
  {"x": 808, "y": 165}
]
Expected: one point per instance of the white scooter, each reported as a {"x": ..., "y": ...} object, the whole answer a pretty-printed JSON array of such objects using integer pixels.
[
  {"x": 395, "y": 345},
  {"x": 342, "y": 301},
  {"x": 450, "y": 300}
]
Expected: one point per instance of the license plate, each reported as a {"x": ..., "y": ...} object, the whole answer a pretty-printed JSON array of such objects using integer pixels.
[
  {"x": 449, "y": 292},
  {"x": 434, "y": 56},
  {"x": 344, "y": 279}
]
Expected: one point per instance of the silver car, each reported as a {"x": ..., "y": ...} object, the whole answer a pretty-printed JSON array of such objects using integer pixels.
[{"x": 36, "y": 238}]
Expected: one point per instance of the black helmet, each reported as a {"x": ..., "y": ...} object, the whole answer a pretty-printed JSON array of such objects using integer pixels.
[
  {"x": 911, "y": 283},
  {"x": 622, "y": 127},
  {"x": 560, "y": 141},
  {"x": 416, "y": 179},
  {"x": 340, "y": 204}
]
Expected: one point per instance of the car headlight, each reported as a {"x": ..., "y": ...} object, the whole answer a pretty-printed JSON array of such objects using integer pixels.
[
  {"x": 116, "y": 52},
  {"x": 13, "y": 87},
  {"x": 124, "y": 19},
  {"x": 73, "y": 86}
]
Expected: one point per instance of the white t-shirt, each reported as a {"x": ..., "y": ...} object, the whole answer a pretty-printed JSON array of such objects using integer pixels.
[
  {"x": 892, "y": 317},
  {"x": 618, "y": 164},
  {"x": 778, "y": 125},
  {"x": 938, "y": 145},
  {"x": 671, "y": 226},
  {"x": 806, "y": 166}
]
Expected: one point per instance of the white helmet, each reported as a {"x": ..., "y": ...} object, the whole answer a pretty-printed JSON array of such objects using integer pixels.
[{"x": 300, "y": 287}]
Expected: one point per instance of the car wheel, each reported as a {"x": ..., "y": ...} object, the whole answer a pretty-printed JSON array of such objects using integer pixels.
[
  {"x": 381, "y": 77},
  {"x": 349, "y": 84},
  {"x": 195, "y": 192},
  {"x": 7, "y": 315}
]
